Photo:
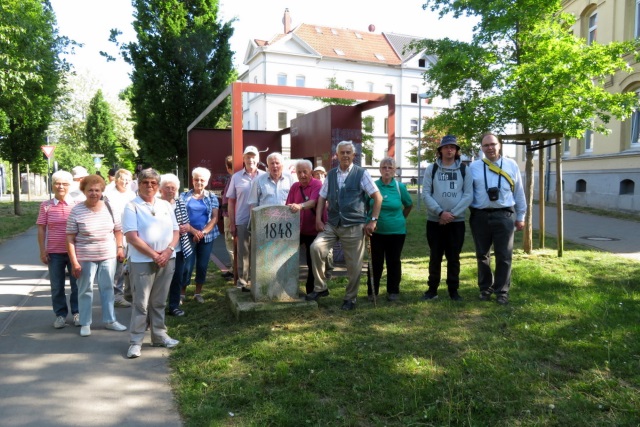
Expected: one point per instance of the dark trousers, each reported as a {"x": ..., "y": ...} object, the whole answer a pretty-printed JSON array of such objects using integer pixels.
[
  {"x": 386, "y": 247},
  {"x": 495, "y": 229},
  {"x": 177, "y": 281},
  {"x": 445, "y": 240},
  {"x": 307, "y": 240}
]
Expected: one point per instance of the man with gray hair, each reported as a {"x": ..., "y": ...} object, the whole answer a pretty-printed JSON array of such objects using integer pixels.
[
  {"x": 273, "y": 187},
  {"x": 345, "y": 189}
]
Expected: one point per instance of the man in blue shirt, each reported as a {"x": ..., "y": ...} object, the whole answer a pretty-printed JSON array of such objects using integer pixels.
[{"x": 497, "y": 210}]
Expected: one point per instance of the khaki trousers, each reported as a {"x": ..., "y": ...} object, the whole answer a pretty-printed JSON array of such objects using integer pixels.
[{"x": 352, "y": 240}]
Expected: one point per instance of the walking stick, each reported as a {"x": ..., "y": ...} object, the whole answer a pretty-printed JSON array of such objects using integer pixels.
[{"x": 369, "y": 273}]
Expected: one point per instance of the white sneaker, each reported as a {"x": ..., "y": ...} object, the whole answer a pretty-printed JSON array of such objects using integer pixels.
[
  {"x": 60, "y": 322},
  {"x": 85, "y": 331},
  {"x": 167, "y": 342},
  {"x": 76, "y": 319},
  {"x": 134, "y": 351},
  {"x": 115, "y": 326}
]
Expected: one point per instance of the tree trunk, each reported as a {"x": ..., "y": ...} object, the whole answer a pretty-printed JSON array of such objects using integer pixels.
[
  {"x": 528, "y": 219},
  {"x": 17, "y": 208}
]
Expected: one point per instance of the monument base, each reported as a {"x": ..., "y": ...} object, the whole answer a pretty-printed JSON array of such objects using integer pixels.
[{"x": 243, "y": 305}]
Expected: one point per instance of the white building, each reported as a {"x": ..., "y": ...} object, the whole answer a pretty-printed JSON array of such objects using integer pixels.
[{"x": 363, "y": 61}]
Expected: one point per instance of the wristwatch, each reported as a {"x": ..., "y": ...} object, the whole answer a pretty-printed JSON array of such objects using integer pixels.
[
  {"x": 172, "y": 248},
  {"x": 374, "y": 218}
]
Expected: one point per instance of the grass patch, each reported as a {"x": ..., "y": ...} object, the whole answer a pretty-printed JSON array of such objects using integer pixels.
[
  {"x": 11, "y": 225},
  {"x": 566, "y": 351}
]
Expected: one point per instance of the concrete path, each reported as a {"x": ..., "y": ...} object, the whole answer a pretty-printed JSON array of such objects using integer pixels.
[{"x": 54, "y": 377}]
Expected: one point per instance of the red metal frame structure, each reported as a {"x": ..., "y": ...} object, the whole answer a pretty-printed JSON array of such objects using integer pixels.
[{"x": 236, "y": 90}]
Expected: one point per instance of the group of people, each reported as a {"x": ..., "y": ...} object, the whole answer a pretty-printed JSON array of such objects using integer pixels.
[
  {"x": 155, "y": 238},
  {"x": 151, "y": 240}
]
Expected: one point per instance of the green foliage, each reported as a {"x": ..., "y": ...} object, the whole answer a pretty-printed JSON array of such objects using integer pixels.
[
  {"x": 181, "y": 62},
  {"x": 524, "y": 66},
  {"x": 100, "y": 131}
]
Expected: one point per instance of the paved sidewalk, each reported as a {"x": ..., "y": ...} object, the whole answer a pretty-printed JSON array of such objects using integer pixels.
[
  {"x": 609, "y": 234},
  {"x": 53, "y": 377}
]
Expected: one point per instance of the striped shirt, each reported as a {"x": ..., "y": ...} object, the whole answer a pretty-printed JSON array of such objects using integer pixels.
[
  {"x": 94, "y": 238},
  {"x": 53, "y": 215},
  {"x": 183, "y": 218}
]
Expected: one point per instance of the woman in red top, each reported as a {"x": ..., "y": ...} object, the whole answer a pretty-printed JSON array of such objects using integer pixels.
[{"x": 302, "y": 198}]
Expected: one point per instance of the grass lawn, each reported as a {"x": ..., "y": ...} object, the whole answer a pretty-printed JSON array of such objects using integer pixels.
[
  {"x": 12, "y": 225},
  {"x": 564, "y": 352}
]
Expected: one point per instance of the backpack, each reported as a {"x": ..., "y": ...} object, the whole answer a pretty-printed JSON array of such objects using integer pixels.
[{"x": 463, "y": 172}]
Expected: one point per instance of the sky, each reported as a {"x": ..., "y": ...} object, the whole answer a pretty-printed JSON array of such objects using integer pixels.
[{"x": 89, "y": 22}]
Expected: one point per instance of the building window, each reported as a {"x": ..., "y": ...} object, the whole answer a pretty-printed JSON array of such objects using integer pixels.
[
  {"x": 414, "y": 94},
  {"x": 588, "y": 141},
  {"x": 581, "y": 186},
  {"x": 386, "y": 125},
  {"x": 422, "y": 63},
  {"x": 627, "y": 187},
  {"x": 282, "y": 79},
  {"x": 282, "y": 119},
  {"x": 636, "y": 32},
  {"x": 566, "y": 144},
  {"x": 388, "y": 88},
  {"x": 299, "y": 114},
  {"x": 414, "y": 125},
  {"x": 349, "y": 84},
  {"x": 255, "y": 126},
  {"x": 593, "y": 28},
  {"x": 300, "y": 81},
  {"x": 370, "y": 86},
  {"x": 635, "y": 128},
  {"x": 368, "y": 159}
]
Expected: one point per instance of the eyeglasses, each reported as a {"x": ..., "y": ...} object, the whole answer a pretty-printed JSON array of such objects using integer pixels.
[
  {"x": 150, "y": 183},
  {"x": 63, "y": 184}
]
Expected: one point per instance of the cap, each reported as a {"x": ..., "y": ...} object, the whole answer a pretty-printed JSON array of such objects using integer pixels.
[
  {"x": 320, "y": 169},
  {"x": 79, "y": 172},
  {"x": 448, "y": 140},
  {"x": 251, "y": 149}
]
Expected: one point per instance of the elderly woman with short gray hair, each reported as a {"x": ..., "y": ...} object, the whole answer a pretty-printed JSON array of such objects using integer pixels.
[
  {"x": 151, "y": 229},
  {"x": 202, "y": 208},
  {"x": 387, "y": 240}
]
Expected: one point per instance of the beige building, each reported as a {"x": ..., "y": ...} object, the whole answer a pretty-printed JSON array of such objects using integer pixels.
[{"x": 602, "y": 171}]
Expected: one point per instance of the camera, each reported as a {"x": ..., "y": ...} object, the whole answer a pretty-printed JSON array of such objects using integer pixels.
[{"x": 494, "y": 193}]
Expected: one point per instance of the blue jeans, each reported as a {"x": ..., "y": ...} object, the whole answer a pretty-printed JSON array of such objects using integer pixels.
[
  {"x": 177, "y": 281},
  {"x": 200, "y": 260},
  {"x": 58, "y": 263},
  {"x": 103, "y": 271}
]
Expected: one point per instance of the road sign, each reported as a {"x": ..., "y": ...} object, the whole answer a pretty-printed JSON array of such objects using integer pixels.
[{"x": 48, "y": 150}]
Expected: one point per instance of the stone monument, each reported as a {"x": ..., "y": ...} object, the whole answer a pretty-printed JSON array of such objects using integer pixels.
[{"x": 275, "y": 243}]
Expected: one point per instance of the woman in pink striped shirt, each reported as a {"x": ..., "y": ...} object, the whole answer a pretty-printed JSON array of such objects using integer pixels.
[
  {"x": 52, "y": 240},
  {"x": 94, "y": 239}
]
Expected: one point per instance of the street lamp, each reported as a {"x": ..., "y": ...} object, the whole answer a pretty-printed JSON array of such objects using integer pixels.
[{"x": 421, "y": 96}]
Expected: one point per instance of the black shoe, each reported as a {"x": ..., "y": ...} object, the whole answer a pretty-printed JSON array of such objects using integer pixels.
[
  {"x": 392, "y": 297},
  {"x": 455, "y": 296},
  {"x": 176, "y": 312},
  {"x": 227, "y": 275},
  {"x": 485, "y": 296},
  {"x": 348, "y": 305},
  {"x": 245, "y": 289},
  {"x": 502, "y": 299},
  {"x": 313, "y": 296},
  {"x": 430, "y": 295}
]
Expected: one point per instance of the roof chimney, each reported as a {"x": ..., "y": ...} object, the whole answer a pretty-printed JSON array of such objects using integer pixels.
[{"x": 286, "y": 20}]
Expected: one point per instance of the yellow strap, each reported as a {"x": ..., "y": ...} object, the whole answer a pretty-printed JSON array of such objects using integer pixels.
[{"x": 499, "y": 171}]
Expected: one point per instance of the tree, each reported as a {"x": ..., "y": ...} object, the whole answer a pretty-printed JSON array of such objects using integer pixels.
[
  {"x": 181, "y": 62},
  {"x": 524, "y": 66},
  {"x": 100, "y": 130},
  {"x": 30, "y": 75}
]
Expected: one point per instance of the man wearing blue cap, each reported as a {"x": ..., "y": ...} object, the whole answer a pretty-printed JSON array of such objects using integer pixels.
[{"x": 447, "y": 192}]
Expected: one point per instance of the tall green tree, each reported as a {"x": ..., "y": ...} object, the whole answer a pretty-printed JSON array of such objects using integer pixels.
[
  {"x": 524, "y": 66},
  {"x": 100, "y": 129},
  {"x": 30, "y": 74},
  {"x": 181, "y": 62}
]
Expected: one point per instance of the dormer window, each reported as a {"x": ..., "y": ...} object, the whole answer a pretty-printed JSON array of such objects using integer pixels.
[
  {"x": 339, "y": 52},
  {"x": 379, "y": 56},
  {"x": 422, "y": 63},
  {"x": 334, "y": 31},
  {"x": 359, "y": 36},
  {"x": 318, "y": 30}
]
